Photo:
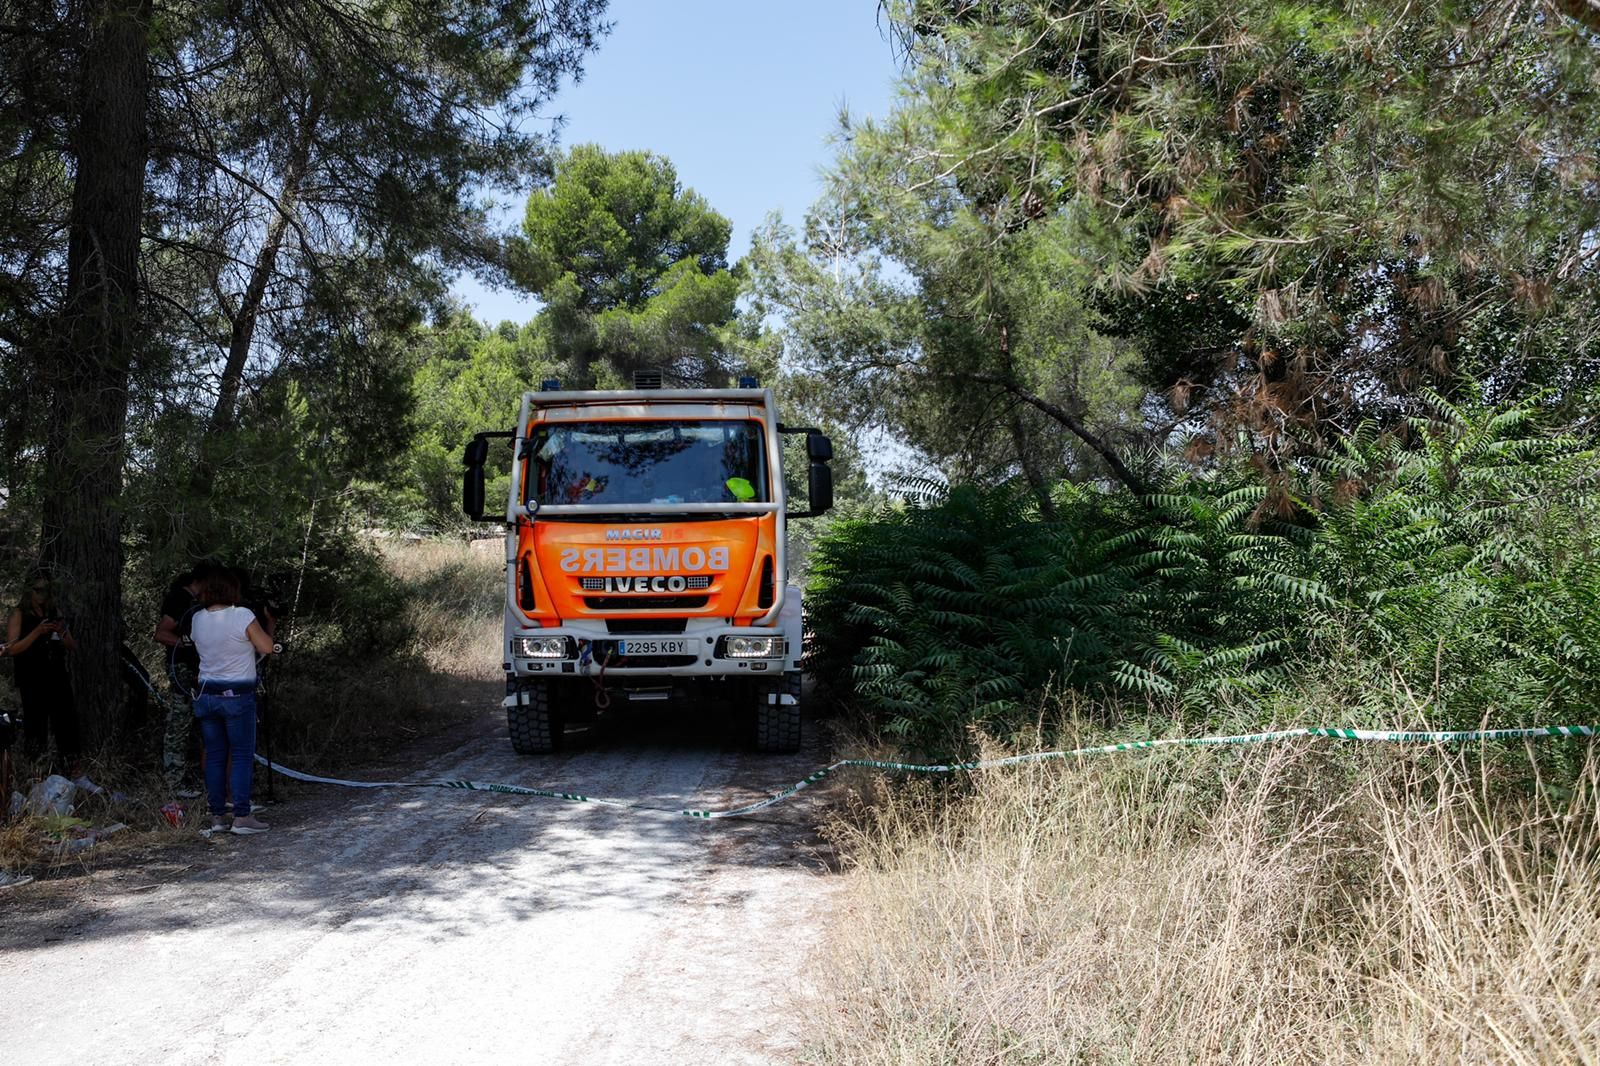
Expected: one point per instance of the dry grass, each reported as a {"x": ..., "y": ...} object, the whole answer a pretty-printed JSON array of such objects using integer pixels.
[
  {"x": 330, "y": 714},
  {"x": 39, "y": 846},
  {"x": 1285, "y": 904},
  {"x": 458, "y": 603}
]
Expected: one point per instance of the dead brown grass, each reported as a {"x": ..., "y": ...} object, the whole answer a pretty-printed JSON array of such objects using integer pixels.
[
  {"x": 22, "y": 847},
  {"x": 1285, "y": 904},
  {"x": 458, "y": 604},
  {"x": 134, "y": 798},
  {"x": 330, "y": 714}
]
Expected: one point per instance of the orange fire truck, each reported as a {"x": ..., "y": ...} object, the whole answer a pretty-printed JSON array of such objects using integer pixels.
[{"x": 645, "y": 555}]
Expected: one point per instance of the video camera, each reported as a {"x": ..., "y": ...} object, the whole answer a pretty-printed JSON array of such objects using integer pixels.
[{"x": 262, "y": 598}]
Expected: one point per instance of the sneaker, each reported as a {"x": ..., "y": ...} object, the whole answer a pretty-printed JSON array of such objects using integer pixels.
[
  {"x": 218, "y": 825},
  {"x": 248, "y": 825},
  {"x": 186, "y": 793}
]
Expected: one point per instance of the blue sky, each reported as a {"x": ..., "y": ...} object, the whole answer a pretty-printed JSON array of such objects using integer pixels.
[{"x": 741, "y": 96}]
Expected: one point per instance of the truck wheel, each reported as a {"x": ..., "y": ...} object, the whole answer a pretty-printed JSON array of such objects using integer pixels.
[
  {"x": 777, "y": 721},
  {"x": 533, "y": 721}
]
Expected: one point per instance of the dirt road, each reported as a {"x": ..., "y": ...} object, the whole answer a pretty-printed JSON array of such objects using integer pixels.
[{"x": 443, "y": 927}]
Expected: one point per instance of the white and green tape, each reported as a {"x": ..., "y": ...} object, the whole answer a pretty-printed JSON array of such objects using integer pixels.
[{"x": 1445, "y": 737}]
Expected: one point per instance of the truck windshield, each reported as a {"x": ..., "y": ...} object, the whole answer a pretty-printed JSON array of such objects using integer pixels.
[{"x": 650, "y": 463}]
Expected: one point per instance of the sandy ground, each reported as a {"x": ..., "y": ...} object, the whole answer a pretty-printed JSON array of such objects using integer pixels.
[{"x": 423, "y": 925}]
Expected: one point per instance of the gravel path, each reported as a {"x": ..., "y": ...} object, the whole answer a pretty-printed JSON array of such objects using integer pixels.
[{"x": 433, "y": 926}]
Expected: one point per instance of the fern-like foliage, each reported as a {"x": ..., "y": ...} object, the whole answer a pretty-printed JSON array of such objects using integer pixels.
[
  {"x": 955, "y": 613},
  {"x": 1459, "y": 560},
  {"x": 1464, "y": 561}
]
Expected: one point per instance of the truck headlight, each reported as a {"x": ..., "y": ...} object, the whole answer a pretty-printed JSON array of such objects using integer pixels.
[
  {"x": 752, "y": 647},
  {"x": 539, "y": 647}
]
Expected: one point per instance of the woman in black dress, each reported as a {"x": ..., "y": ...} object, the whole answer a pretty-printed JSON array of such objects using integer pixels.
[{"x": 39, "y": 643}]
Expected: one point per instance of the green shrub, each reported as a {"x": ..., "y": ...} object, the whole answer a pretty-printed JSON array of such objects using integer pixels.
[
  {"x": 945, "y": 616},
  {"x": 1464, "y": 562},
  {"x": 1457, "y": 566}
]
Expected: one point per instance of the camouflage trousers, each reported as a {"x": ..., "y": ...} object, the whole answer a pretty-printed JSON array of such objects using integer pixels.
[{"x": 179, "y": 733}]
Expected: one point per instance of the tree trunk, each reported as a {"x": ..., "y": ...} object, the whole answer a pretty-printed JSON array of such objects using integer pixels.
[
  {"x": 243, "y": 331},
  {"x": 1060, "y": 414},
  {"x": 1119, "y": 469},
  {"x": 248, "y": 313},
  {"x": 1038, "y": 483},
  {"x": 81, "y": 535},
  {"x": 245, "y": 318}
]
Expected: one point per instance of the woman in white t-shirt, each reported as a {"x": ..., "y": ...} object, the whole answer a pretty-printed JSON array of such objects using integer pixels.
[{"x": 228, "y": 638}]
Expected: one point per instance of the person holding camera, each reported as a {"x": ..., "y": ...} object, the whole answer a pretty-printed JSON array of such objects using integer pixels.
[
  {"x": 183, "y": 668},
  {"x": 228, "y": 638},
  {"x": 258, "y": 600},
  {"x": 38, "y": 640}
]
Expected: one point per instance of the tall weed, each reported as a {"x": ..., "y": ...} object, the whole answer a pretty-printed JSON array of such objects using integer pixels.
[
  {"x": 1243, "y": 905},
  {"x": 441, "y": 666}
]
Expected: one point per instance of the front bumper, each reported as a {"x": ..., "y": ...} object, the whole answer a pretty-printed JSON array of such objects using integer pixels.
[{"x": 697, "y": 651}]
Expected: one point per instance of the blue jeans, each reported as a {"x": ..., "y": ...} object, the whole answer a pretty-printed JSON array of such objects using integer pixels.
[{"x": 228, "y": 728}]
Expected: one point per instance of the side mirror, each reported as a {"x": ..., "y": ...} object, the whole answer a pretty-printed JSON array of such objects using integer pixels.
[
  {"x": 821, "y": 487},
  {"x": 819, "y": 450},
  {"x": 472, "y": 458}
]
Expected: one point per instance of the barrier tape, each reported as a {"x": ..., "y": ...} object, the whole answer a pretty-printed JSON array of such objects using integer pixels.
[{"x": 1448, "y": 737}]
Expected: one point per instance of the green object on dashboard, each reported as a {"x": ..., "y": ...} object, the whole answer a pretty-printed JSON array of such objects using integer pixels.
[{"x": 742, "y": 490}]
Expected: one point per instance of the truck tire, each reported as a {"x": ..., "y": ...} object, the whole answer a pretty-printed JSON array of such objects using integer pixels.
[
  {"x": 777, "y": 722},
  {"x": 532, "y": 719}
]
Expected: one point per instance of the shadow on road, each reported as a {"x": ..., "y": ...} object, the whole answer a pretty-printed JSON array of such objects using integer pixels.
[{"x": 444, "y": 864}]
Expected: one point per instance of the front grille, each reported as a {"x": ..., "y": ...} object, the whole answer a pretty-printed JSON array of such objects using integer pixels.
[
  {"x": 645, "y": 603},
  {"x": 652, "y": 626},
  {"x": 598, "y": 584}
]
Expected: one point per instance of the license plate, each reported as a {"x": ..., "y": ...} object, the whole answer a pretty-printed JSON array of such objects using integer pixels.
[{"x": 652, "y": 647}]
